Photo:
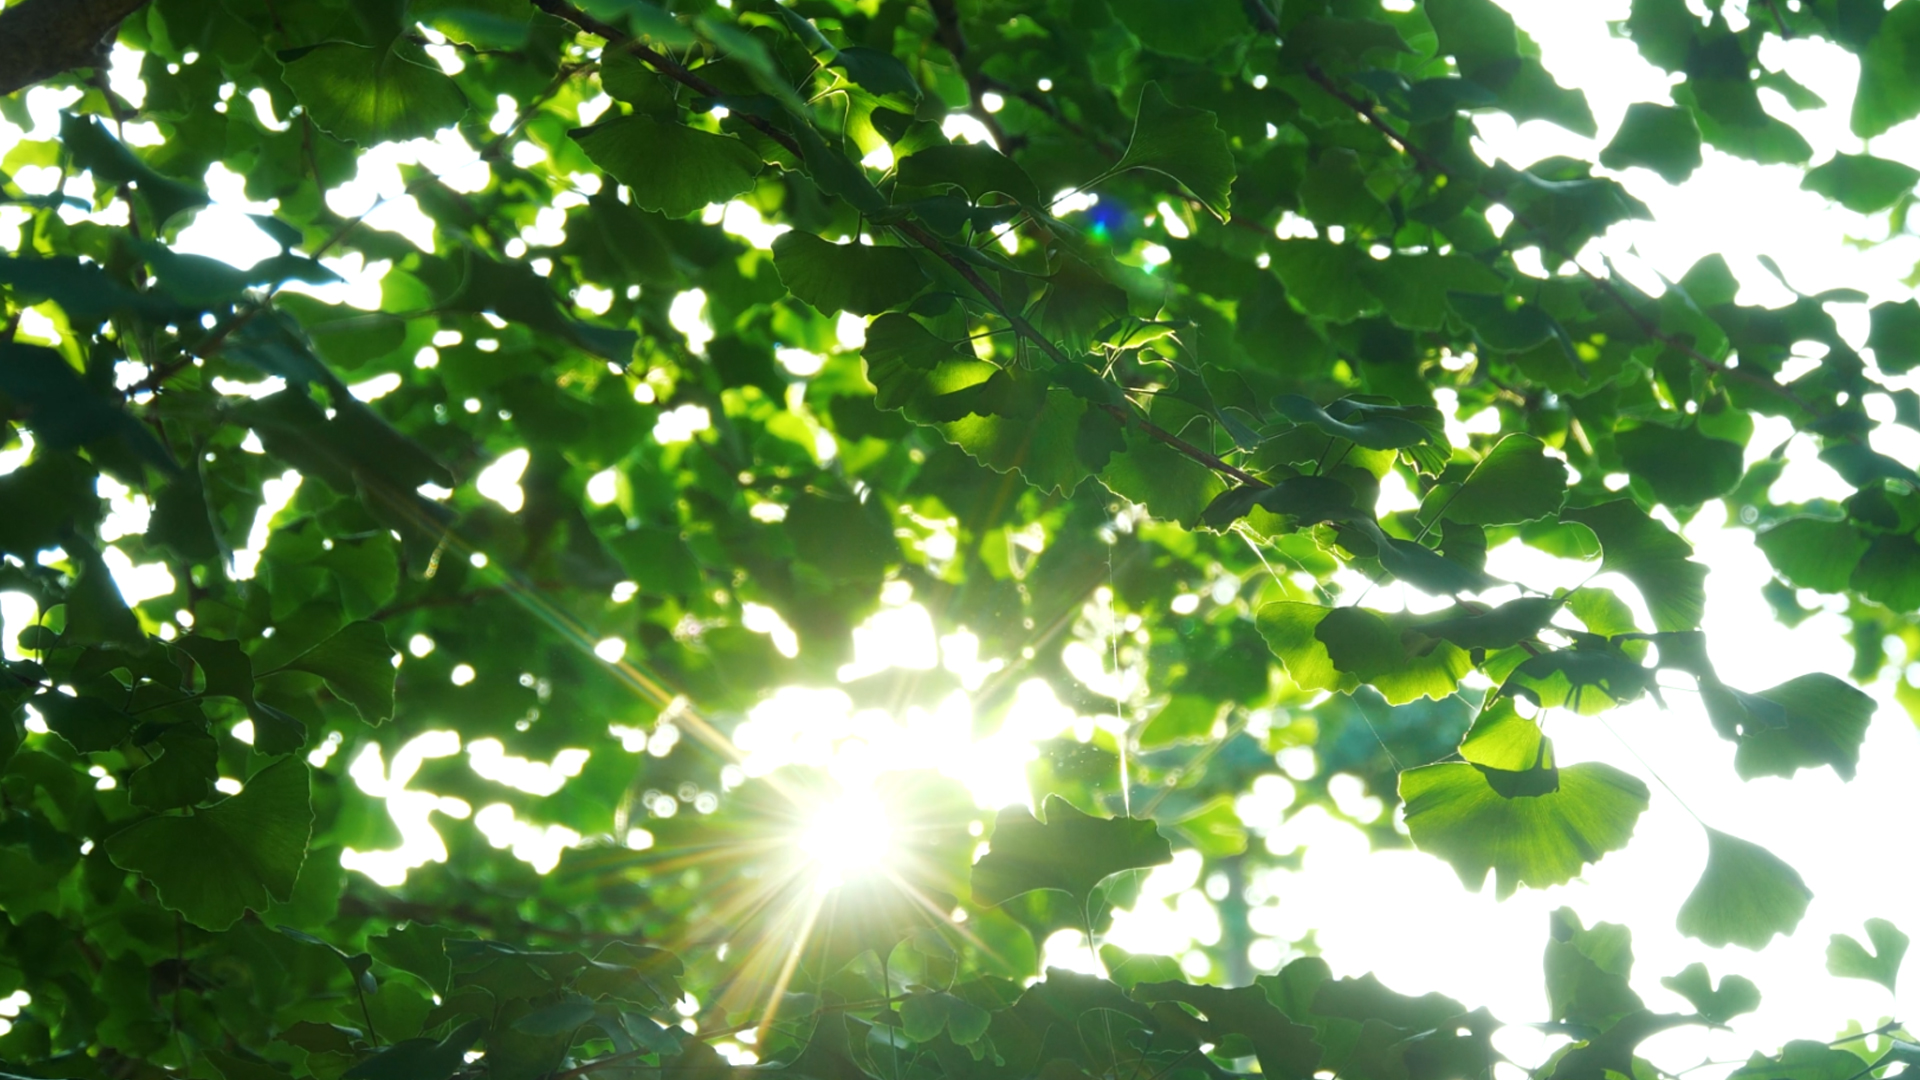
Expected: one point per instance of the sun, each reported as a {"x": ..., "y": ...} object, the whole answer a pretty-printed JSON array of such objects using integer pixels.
[{"x": 847, "y": 837}]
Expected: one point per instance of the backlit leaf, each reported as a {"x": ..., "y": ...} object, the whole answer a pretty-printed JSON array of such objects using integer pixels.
[
  {"x": 242, "y": 852},
  {"x": 1745, "y": 897},
  {"x": 670, "y": 168},
  {"x": 1183, "y": 144},
  {"x": 1070, "y": 852},
  {"x": 1454, "y": 812}
]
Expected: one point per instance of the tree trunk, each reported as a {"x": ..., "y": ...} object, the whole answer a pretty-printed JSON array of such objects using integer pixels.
[{"x": 42, "y": 38}]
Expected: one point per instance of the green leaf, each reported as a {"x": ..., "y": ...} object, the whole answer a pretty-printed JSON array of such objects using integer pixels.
[
  {"x": 1809, "y": 721},
  {"x": 1894, "y": 336},
  {"x": 1365, "y": 644},
  {"x": 112, "y": 164},
  {"x": 374, "y": 94},
  {"x": 1130, "y": 969},
  {"x": 1289, "y": 629},
  {"x": 417, "y": 949},
  {"x": 1371, "y": 426},
  {"x": 421, "y": 1059},
  {"x": 1070, "y": 852},
  {"x": 1185, "y": 145},
  {"x": 1454, "y": 812},
  {"x": 88, "y": 724},
  {"x": 1736, "y": 995},
  {"x": 975, "y": 168},
  {"x": 1813, "y": 553},
  {"x": 563, "y": 1017},
  {"x": 1888, "y": 93},
  {"x": 1658, "y": 137},
  {"x": 1196, "y": 30},
  {"x": 1422, "y": 567},
  {"x": 240, "y": 853},
  {"x": 63, "y": 411},
  {"x": 1414, "y": 289},
  {"x": 1501, "y": 628},
  {"x": 1482, "y": 38},
  {"x": 227, "y": 668},
  {"x": 1503, "y": 327},
  {"x": 184, "y": 773},
  {"x": 1848, "y": 959},
  {"x": 846, "y": 277},
  {"x": 877, "y": 72},
  {"x": 1801, "y": 1059},
  {"x": 1515, "y": 482},
  {"x": 1172, "y": 486},
  {"x": 670, "y": 168},
  {"x": 1501, "y": 738},
  {"x": 1042, "y": 447},
  {"x": 1326, "y": 279},
  {"x": 1862, "y": 183},
  {"x": 923, "y": 1016},
  {"x": 1651, "y": 556},
  {"x": 1214, "y": 830},
  {"x": 1683, "y": 466},
  {"x": 1587, "y": 972},
  {"x": 1745, "y": 897},
  {"x": 358, "y": 665},
  {"x": 1889, "y": 572},
  {"x": 1588, "y": 679},
  {"x": 1283, "y": 1048},
  {"x": 1079, "y": 305}
]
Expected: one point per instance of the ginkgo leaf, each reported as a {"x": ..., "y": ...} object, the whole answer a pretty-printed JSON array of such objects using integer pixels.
[
  {"x": 1813, "y": 553},
  {"x": 1453, "y": 811},
  {"x": 668, "y": 167},
  {"x": 925, "y": 1015},
  {"x": 242, "y": 852},
  {"x": 1862, "y": 183},
  {"x": 1185, "y": 145},
  {"x": 1651, "y": 556},
  {"x": 1745, "y": 897},
  {"x": 1375, "y": 429},
  {"x": 1326, "y": 648},
  {"x": 358, "y": 665},
  {"x": 1812, "y": 720},
  {"x": 1284, "y": 1048},
  {"x": 1515, "y": 482},
  {"x": 1735, "y": 995},
  {"x": 1195, "y": 29},
  {"x": 1171, "y": 486},
  {"x": 1071, "y": 852},
  {"x": 1663, "y": 138},
  {"x": 846, "y": 277},
  {"x": 1587, "y": 971},
  {"x": 1042, "y": 447},
  {"x": 373, "y": 94},
  {"x": 975, "y": 168},
  {"x": 1499, "y": 628},
  {"x": 1683, "y": 465},
  {"x": 89, "y": 724},
  {"x": 421, "y": 1059},
  {"x": 1588, "y": 679},
  {"x": 1849, "y": 959}
]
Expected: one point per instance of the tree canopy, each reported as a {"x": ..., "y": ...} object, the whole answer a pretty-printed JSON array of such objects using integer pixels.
[{"x": 612, "y": 368}]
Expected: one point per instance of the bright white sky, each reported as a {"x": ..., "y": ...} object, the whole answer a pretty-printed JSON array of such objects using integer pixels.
[{"x": 1401, "y": 914}]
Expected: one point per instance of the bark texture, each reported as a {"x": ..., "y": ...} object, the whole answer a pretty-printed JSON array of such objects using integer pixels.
[{"x": 42, "y": 38}]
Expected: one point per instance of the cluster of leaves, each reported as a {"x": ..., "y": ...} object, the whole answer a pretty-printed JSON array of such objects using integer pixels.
[{"x": 1188, "y": 393}]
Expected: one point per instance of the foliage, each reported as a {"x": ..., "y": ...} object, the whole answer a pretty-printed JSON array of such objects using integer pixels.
[{"x": 1171, "y": 410}]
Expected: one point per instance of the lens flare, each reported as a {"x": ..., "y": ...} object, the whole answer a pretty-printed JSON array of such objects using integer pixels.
[{"x": 848, "y": 837}]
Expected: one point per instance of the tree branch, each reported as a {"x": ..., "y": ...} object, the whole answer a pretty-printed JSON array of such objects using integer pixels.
[
  {"x": 42, "y": 38},
  {"x": 562, "y": 10}
]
